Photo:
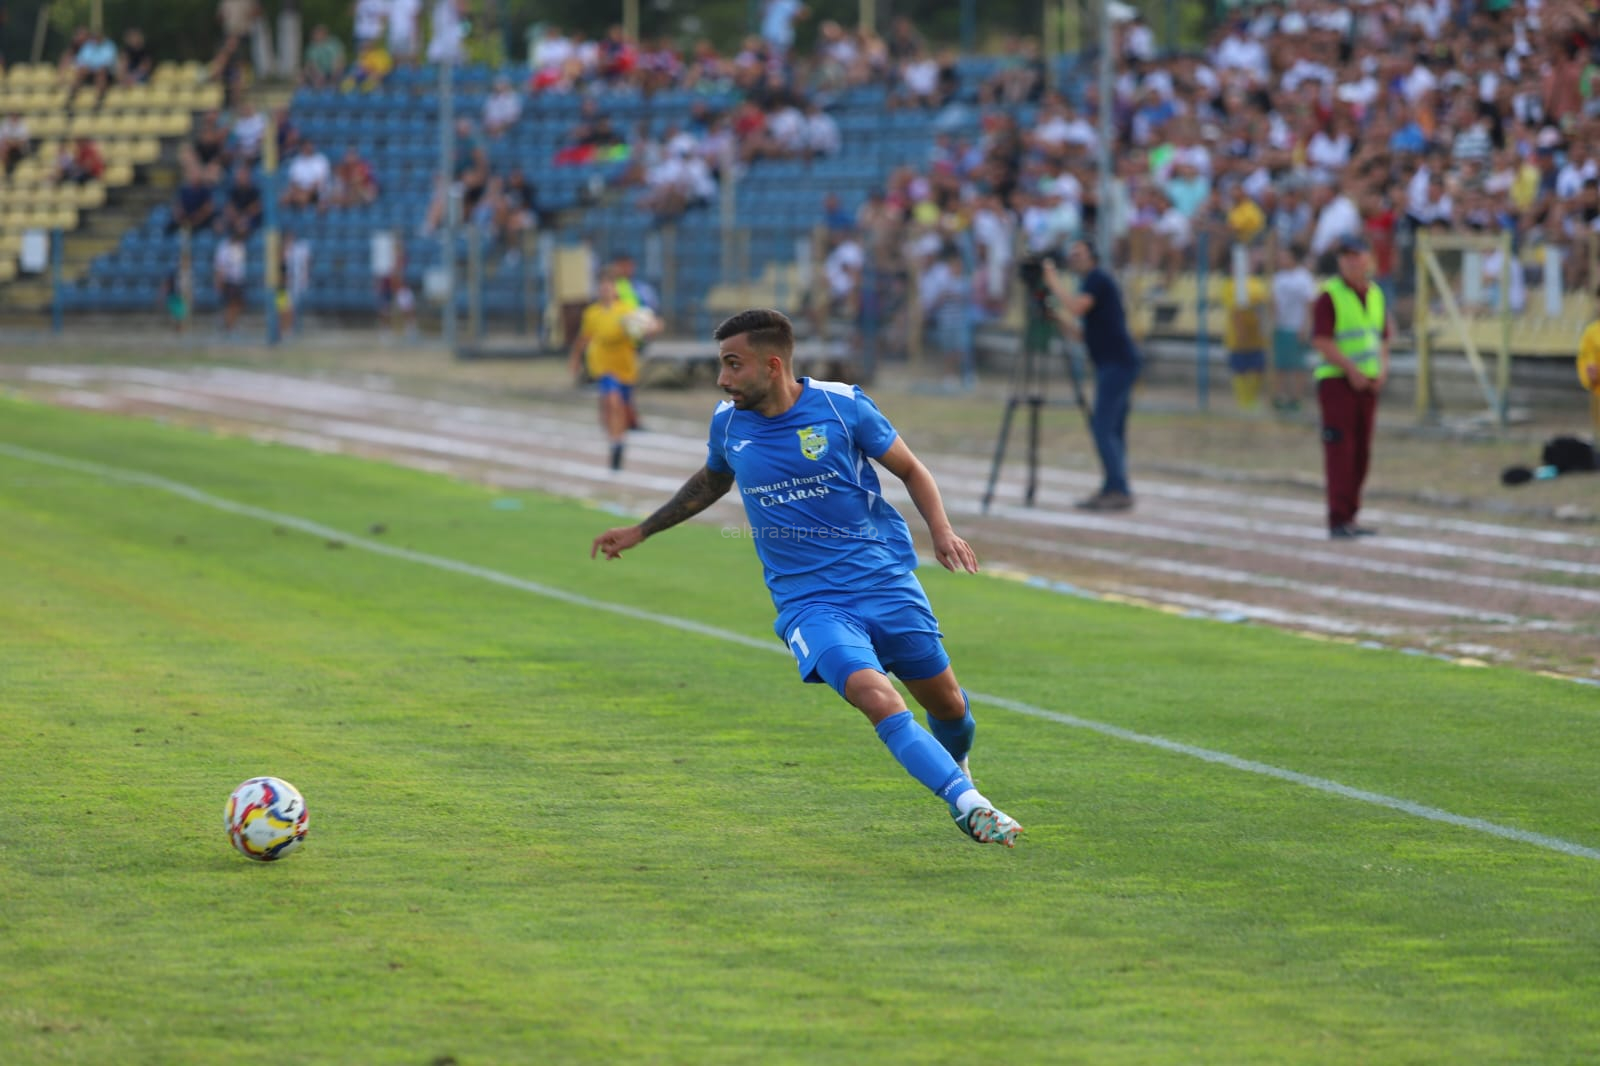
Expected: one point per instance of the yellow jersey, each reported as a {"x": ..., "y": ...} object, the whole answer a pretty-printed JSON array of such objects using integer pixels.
[
  {"x": 1246, "y": 220},
  {"x": 1244, "y": 328},
  {"x": 1589, "y": 356},
  {"x": 611, "y": 350}
]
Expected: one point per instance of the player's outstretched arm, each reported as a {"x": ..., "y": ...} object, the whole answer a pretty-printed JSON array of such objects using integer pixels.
[
  {"x": 953, "y": 552},
  {"x": 703, "y": 489}
]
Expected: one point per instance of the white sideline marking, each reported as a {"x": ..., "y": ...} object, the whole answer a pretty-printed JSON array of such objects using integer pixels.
[
  {"x": 241, "y": 405},
  {"x": 250, "y": 384},
  {"x": 1320, "y": 784},
  {"x": 189, "y": 391}
]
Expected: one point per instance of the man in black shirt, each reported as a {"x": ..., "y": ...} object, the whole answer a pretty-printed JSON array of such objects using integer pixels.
[
  {"x": 1095, "y": 311},
  {"x": 243, "y": 206},
  {"x": 136, "y": 62}
]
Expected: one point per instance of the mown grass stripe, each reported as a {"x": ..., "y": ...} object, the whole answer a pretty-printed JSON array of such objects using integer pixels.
[{"x": 206, "y": 499}]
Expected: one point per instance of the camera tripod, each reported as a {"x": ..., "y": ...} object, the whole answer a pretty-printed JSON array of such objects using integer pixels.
[{"x": 1029, "y": 385}]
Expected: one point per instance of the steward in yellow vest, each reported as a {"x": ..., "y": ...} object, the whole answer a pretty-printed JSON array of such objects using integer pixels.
[{"x": 1350, "y": 329}]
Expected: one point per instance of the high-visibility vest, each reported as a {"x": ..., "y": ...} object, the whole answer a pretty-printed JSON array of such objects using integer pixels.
[
  {"x": 627, "y": 294},
  {"x": 1357, "y": 329}
]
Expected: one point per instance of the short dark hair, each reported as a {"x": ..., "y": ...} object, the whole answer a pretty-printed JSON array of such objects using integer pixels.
[{"x": 767, "y": 329}]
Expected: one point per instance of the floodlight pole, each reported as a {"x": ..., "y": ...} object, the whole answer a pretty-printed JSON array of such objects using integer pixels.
[
  {"x": 447, "y": 171},
  {"x": 630, "y": 20},
  {"x": 1102, "y": 216},
  {"x": 271, "y": 238}
]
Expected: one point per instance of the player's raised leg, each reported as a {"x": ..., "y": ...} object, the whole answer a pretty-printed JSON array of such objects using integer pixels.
[
  {"x": 925, "y": 759},
  {"x": 949, "y": 712}
]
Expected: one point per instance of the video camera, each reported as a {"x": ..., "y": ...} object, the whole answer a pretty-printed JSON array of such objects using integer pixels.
[{"x": 1030, "y": 269}]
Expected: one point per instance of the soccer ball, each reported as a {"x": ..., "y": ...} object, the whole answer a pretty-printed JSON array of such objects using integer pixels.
[
  {"x": 266, "y": 818},
  {"x": 640, "y": 323}
]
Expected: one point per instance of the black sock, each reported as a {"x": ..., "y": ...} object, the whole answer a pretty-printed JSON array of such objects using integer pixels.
[{"x": 616, "y": 457}]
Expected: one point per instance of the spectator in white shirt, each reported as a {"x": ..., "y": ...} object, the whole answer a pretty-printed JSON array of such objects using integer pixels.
[
  {"x": 1293, "y": 291},
  {"x": 1473, "y": 144},
  {"x": 1578, "y": 171},
  {"x": 404, "y": 41},
  {"x": 447, "y": 45},
  {"x": 919, "y": 77},
  {"x": 1418, "y": 83},
  {"x": 229, "y": 268},
  {"x": 294, "y": 279},
  {"x": 14, "y": 142},
  {"x": 1337, "y": 217},
  {"x": 822, "y": 132},
  {"x": 309, "y": 172},
  {"x": 249, "y": 126},
  {"x": 370, "y": 18},
  {"x": 1240, "y": 51},
  {"x": 502, "y": 108},
  {"x": 1328, "y": 151},
  {"x": 1139, "y": 40},
  {"x": 841, "y": 275},
  {"x": 786, "y": 131}
]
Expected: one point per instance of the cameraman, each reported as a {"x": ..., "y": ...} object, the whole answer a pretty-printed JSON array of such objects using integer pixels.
[{"x": 1096, "y": 314}]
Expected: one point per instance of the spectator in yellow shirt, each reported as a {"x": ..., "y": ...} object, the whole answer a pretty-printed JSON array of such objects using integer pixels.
[
  {"x": 1244, "y": 334},
  {"x": 1589, "y": 369},
  {"x": 612, "y": 358},
  {"x": 1245, "y": 217}
]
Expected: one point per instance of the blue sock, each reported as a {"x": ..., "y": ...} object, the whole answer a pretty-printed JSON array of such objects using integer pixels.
[
  {"x": 955, "y": 736},
  {"x": 923, "y": 758}
]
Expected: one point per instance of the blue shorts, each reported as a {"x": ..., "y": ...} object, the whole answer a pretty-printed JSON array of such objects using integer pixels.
[
  {"x": 1253, "y": 361},
  {"x": 609, "y": 383},
  {"x": 891, "y": 630}
]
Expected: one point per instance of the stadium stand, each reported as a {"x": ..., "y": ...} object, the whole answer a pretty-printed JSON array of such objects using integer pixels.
[
  {"x": 128, "y": 130},
  {"x": 1285, "y": 100}
]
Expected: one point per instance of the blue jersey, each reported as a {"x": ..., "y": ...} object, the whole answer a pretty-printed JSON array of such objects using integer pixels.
[{"x": 818, "y": 517}]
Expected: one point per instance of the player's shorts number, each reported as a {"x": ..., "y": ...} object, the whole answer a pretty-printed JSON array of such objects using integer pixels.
[{"x": 798, "y": 642}]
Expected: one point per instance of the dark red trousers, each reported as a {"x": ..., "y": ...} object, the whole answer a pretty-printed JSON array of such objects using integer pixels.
[{"x": 1348, "y": 417}]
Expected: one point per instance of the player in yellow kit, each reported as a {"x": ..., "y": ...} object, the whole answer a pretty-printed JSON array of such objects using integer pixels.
[
  {"x": 1589, "y": 369},
  {"x": 612, "y": 357}
]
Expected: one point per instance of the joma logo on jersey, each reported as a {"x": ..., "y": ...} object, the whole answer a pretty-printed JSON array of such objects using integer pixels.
[{"x": 814, "y": 442}]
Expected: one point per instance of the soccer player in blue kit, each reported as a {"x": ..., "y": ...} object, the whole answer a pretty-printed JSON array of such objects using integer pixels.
[{"x": 837, "y": 558}]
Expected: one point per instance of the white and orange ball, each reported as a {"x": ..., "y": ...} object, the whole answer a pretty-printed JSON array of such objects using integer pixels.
[{"x": 266, "y": 818}]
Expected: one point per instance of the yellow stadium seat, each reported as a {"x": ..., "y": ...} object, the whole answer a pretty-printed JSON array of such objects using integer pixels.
[
  {"x": 89, "y": 196},
  {"x": 31, "y": 74}
]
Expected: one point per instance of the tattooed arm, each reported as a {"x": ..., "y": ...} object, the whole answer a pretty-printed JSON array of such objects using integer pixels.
[{"x": 702, "y": 490}]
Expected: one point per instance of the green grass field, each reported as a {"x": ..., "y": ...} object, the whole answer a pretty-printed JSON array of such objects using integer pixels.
[{"x": 544, "y": 832}]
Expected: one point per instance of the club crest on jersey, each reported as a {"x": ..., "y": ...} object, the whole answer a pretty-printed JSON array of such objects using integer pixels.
[{"x": 814, "y": 442}]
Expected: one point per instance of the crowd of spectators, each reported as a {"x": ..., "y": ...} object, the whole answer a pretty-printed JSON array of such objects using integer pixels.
[
  {"x": 217, "y": 166},
  {"x": 1303, "y": 122}
]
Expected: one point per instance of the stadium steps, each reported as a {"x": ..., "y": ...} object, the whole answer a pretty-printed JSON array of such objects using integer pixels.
[{"x": 99, "y": 232}]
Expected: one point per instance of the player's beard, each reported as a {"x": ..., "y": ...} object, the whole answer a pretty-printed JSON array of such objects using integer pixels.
[{"x": 746, "y": 399}]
